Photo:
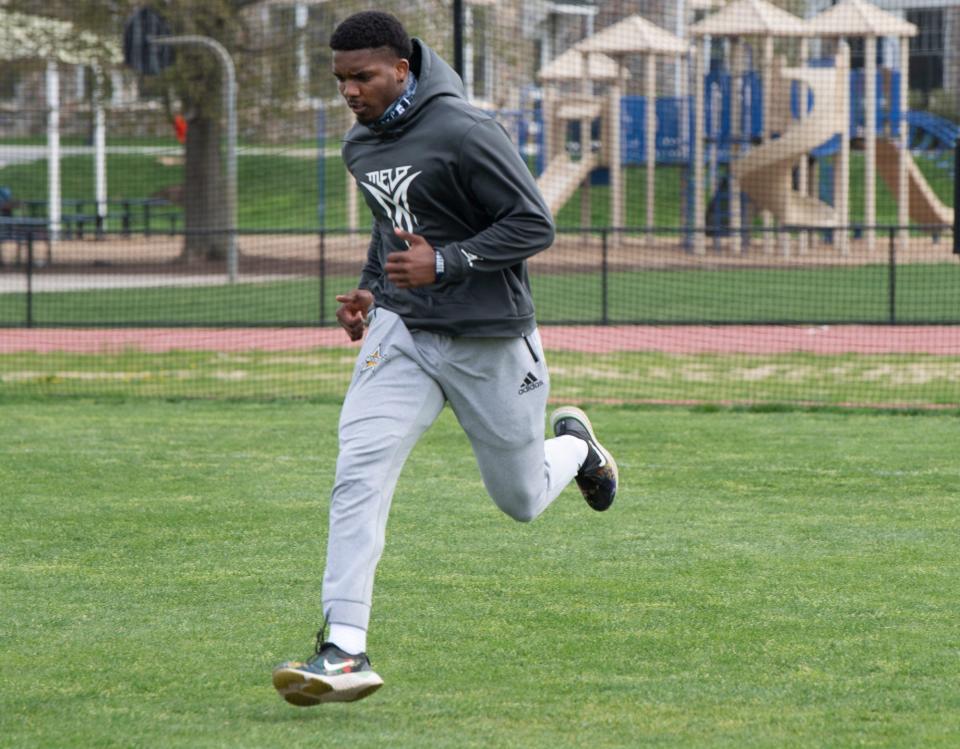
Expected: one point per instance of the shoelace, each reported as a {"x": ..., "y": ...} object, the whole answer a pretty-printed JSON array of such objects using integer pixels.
[
  {"x": 321, "y": 639},
  {"x": 321, "y": 636}
]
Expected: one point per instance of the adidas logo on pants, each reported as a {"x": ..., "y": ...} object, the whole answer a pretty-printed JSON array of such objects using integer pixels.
[{"x": 530, "y": 382}]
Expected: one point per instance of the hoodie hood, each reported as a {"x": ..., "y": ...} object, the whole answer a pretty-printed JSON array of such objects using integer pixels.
[
  {"x": 435, "y": 78},
  {"x": 449, "y": 172}
]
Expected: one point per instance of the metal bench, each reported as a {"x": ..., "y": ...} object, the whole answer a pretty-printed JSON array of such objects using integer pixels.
[
  {"x": 148, "y": 213},
  {"x": 20, "y": 230},
  {"x": 135, "y": 214}
]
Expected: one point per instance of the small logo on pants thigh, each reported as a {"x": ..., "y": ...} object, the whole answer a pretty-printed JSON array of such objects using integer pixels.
[
  {"x": 530, "y": 382},
  {"x": 373, "y": 360}
]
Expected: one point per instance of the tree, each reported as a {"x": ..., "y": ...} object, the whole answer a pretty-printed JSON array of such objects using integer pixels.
[
  {"x": 195, "y": 81},
  {"x": 268, "y": 47}
]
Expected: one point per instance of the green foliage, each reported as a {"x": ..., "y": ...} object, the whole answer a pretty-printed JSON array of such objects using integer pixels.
[
  {"x": 196, "y": 76},
  {"x": 764, "y": 580}
]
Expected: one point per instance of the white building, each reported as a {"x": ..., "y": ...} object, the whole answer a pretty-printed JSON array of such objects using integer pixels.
[{"x": 934, "y": 52}]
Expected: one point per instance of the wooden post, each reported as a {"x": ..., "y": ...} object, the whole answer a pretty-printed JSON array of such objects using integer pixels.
[
  {"x": 713, "y": 155},
  {"x": 585, "y": 145},
  {"x": 870, "y": 143},
  {"x": 546, "y": 109},
  {"x": 651, "y": 135},
  {"x": 777, "y": 108},
  {"x": 842, "y": 174},
  {"x": 736, "y": 69},
  {"x": 903, "y": 186},
  {"x": 765, "y": 132},
  {"x": 699, "y": 212},
  {"x": 802, "y": 166},
  {"x": 352, "y": 216},
  {"x": 586, "y": 85},
  {"x": 613, "y": 144}
]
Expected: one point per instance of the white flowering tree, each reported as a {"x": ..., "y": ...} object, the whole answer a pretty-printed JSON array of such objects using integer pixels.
[{"x": 26, "y": 37}]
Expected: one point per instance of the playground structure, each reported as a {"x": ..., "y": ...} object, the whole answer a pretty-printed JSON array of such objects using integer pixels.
[
  {"x": 631, "y": 36},
  {"x": 761, "y": 164},
  {"x": 567, "y": 171},
  {"x": 781, "y": 134}
]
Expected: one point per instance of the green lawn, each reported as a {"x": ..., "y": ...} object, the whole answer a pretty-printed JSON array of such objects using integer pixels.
[
  {"x": 668, "y": 200},
  {"x": 668, "y": 197},
  {"x": 764, "y": 580},
  {"x": 168, "y": 141},
  {"x": 925, "y": 293},
  {"x": 281, "y": 191},
  {"x": 782, "y": 380},
  {"x": 273, "y": 191}
]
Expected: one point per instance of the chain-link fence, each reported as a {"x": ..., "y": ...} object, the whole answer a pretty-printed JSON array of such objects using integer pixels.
[
  {"x": 589, "y": 277},
  {"x": 720, "y": 164}
]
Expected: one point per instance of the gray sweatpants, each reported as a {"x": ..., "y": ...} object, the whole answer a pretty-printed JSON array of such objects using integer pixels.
[{"x": 497, "y": 387}]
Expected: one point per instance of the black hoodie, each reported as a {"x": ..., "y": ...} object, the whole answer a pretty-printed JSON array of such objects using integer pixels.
[{"x": 449, "y": 172}]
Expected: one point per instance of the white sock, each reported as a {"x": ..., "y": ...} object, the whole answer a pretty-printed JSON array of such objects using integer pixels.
[
  {"x": 565, "y": 455},
  {"x": 568, "y": 448},
  {"x": 349, "y": 639}
]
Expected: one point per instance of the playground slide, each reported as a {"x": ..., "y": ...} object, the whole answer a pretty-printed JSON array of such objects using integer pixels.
[
  {"x": 925, "y": 207},
  {"x": 765, "y": 172},
  {"x": 562, "y": 177}
]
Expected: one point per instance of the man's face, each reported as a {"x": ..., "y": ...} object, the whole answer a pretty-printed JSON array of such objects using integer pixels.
[{"x": 370, "y": 80}]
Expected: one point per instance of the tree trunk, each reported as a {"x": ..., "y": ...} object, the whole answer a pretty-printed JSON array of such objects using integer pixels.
[{"x": 205, "y": 193}]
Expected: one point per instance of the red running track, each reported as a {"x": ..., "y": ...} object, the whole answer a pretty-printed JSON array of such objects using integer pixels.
[{"x": 671, "y": 339}]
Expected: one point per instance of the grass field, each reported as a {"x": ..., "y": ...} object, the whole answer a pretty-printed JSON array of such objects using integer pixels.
[
  {"x": 281, "y": 191},
  {"x": 764, "y": 580},
  {"x": 925, "y": 293},
  {"x": 273, "y": 191},
  {"x": 321, "y": 375}
]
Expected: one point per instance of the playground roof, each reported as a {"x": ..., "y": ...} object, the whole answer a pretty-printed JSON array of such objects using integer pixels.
[
  {"x": 27, "y": 37},
  {"x": 634, "y": 35},
  {"x": 859, "y": 18},
  {"x": 569, "y": 67},
  {"x": 750, "y": 18}
]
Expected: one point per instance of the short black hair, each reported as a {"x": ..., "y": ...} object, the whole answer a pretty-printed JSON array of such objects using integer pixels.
[{"x": 371, "y": 29}]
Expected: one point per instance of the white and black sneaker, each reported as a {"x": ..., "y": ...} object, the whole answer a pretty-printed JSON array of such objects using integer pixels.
[
  {"x": 329, "y": 675},
  {"x": 598, "y": 475}
]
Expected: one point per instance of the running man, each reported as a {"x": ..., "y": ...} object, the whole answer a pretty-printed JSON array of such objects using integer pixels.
[{"x": 445, "y": 300}]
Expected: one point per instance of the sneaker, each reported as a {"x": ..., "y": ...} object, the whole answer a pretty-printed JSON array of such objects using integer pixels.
[
  {"x": 597, "y": 477},
  {"x": 330, "y": 675}
]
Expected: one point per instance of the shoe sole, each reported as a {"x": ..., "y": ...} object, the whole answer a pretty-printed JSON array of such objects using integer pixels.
[
  {"x": 305, "y": 689},
  {"x": 572, "y": 412}
]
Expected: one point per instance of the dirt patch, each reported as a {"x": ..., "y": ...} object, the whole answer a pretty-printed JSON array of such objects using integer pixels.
[{"x": 308, "y": 254}]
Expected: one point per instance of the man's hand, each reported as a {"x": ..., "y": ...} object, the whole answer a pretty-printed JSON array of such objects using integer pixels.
[
  {"x": 415, "y": 267},
  {"x": 352, "y": 312}
]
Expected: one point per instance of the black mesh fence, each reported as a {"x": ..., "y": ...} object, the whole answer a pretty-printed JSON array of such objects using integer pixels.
[
  {"x": 590, "y": 277},
  {"x": 754, "y": 201}
]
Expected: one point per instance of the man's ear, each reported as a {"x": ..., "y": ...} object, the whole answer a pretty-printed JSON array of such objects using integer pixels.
[{"x": 401, "y": 69}]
